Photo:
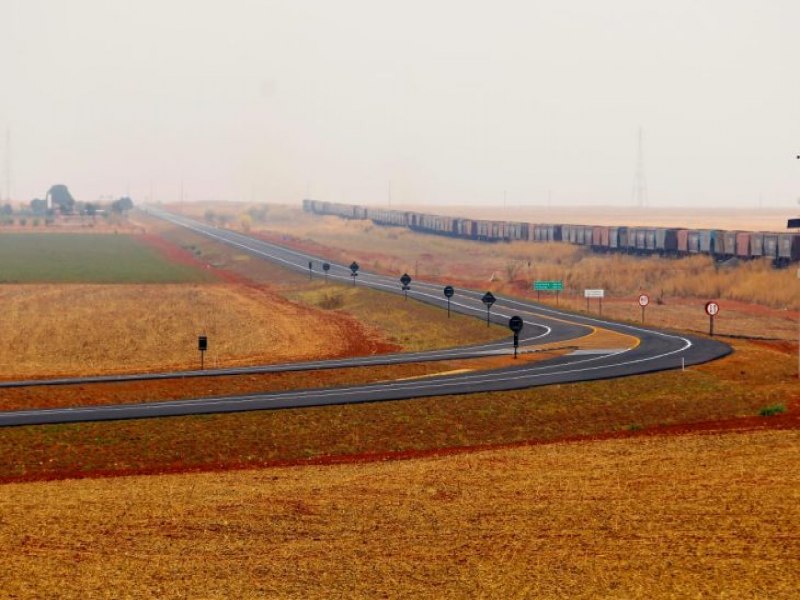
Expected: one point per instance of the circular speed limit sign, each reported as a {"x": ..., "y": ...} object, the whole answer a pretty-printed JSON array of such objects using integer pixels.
[
  {"x": 712, "y": 308},
  {"x": 644, "y": 300}
]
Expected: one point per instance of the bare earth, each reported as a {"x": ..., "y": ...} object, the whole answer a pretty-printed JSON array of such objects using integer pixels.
[{"x": 692, "y": 515}]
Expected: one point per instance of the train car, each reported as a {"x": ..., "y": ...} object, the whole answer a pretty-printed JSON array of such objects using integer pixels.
[
  {"x": 726, "y": 246},
  {"x": 682, "y": 241},
  {"x": 579, "y": 235},
  {"x": 788, "y": 248},
  {"x": 597, "y": 237},
  {"x": 666, "y": 241},
  {"x": 708, "y": 241},
  {"x": 743, "y": 244},
  {"x": 756, "y": 244},
  {"x": 771, "y": 245},
  {"x": 641, "y": 240},
  {"x": 650, "y": 240},
  {"x": 693, "y": 241},
  {"x": 554, "y": 233},
  {"x": 539, "y": 233}
]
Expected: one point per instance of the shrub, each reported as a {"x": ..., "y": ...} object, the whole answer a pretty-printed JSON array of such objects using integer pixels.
[
  {"x": 771, "y": 411},
  {"x": 331, "y": 301}
]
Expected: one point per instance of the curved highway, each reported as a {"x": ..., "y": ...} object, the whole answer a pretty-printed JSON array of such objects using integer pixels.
[{"x": 650, "y": 350}]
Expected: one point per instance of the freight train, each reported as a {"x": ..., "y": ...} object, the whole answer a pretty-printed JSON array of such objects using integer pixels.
[{"x": 781, "y": 248}]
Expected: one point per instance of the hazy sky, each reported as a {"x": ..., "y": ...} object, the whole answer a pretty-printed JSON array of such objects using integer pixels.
[{"x": 451, "y": 102}]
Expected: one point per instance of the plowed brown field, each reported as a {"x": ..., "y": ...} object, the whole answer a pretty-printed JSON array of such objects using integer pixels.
[{"x": 696, "y": 515}]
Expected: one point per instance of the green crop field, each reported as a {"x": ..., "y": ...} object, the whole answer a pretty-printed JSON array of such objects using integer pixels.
[{"x": 95, "y": 258}]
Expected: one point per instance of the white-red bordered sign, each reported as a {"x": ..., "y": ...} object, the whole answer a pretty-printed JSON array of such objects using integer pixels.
[
  {"x": 644, "y": 300},
  {"x": 712, "y": 308}
]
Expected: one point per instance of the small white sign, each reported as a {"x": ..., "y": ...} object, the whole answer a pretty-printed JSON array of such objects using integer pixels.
[
  {"x": 594, "y": 293},
  {"x": 712, "y": 308},
  {"x": 644, "y": 300}
]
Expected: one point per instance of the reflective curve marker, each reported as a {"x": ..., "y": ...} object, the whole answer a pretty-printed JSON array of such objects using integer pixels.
[
  {"x": 405, "y": 280},
  {"x": 712, "y": 310},
  {"x": 644, "y": 300},
  {"x": 202, "y": 345},
  {"x": 515, "y": 324},
  {"x": 448, "y": 293},
  {"x": 326, "y": 267},
  {"x": 354, "y": 271},
  {"x": 310, "y": 270},
  {"x": 488, "y": 299}
]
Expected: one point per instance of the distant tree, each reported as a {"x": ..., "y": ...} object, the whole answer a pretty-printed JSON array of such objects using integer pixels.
[
  {"x": 7, "y": 209},
  {"x": 38, "y": 206},
  {"x": 210, "y": 216},
  {"x": 60, "y": 197},
  {"x": 122, "y": 205},
  {"x": 258, "y": 213},
  {"x": 90, "y": 208},
  {"x": 246, "y": 222}
]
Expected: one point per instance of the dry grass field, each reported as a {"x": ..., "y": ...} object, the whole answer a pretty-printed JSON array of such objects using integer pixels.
[
  {"x": 756, "y": 299},
  {"x": 90, "y": 329},
  {"x": 687, "y": 516}
]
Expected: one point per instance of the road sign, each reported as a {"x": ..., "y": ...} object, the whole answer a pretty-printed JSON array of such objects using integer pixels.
[
  {"x": 310, "y": 269},
  {"x": 548, "y": 286},
  {"x": 202, "y": 345},
  {"x": 488, "y": 299},
  {"x": 405, "y": 280},
  {"x": 793, "y": 224},
  {"x": 448, "y": 293},
  {"x": 326, "y": 267},
  {"x": 354, "y": 271},
  {"x": 712, "y": 310},
  {"x": 644, "y": 300},
  {"x": 594, "y": 293},
  {"x": 515, "y": 324}
]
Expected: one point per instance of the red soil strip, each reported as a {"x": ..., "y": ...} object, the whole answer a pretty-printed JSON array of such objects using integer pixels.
[{"x": 783, "y": 422}]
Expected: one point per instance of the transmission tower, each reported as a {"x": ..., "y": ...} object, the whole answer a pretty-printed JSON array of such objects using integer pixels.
[{"x": 639, "y": 182}]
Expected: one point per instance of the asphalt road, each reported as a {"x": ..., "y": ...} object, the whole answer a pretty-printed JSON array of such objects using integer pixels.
[{"x": 651, "y": 351}]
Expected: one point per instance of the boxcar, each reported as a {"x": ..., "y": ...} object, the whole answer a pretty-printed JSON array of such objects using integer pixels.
[
  {"x": 708, "y": 241},
  {"x": 788, "y": 247},
  {"x": 597, "y": 236},
  {"x": 771, "y": 245},
  {"x": 756, "y": 244},
  {"x": 683, "y": 241},
  {"x": 743, "y": 244},
  {"x": 693, "y": 242},
  {"x": 728, "y": 243},
  {"x": 666, "y": 240}
]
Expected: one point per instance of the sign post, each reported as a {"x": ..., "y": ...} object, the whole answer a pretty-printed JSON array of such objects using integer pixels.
[
  {"x": 547, "y": 286},
  {"x": 594, "y": 294},
  {"x": 326, "y": 267},
  {"x": 644, "y": 300},
  {"x": 515, "y": 324},
  {"x": 202, "y": 346},
  {"x": 354, "y": 271},
  {"x": 488, "y": 299},
  {"x": 448, "y": 293},
  {"x": 712, "y": 310},
  {"x": 310, "y": 270},
  {"x": 405, "y": 280}
]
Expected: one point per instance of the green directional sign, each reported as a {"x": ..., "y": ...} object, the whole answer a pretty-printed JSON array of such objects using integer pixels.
[{"x": 548, "y": 286}]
